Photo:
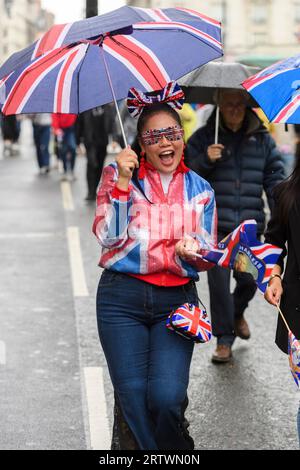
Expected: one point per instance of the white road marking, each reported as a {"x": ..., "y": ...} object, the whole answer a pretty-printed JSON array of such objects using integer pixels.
[
  {"x": 67, "y": 196},
  {"x": 97, "y": 411},
  {"x": 2, "y": 353},
  {"x": 33, "y": 235},
  {"x": 77, "y": 270}
]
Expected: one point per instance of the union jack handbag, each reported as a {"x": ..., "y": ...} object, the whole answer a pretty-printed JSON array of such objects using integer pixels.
[{"x": 191, "y": 322}]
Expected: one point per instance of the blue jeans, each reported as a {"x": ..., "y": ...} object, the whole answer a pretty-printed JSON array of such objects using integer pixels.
[
  {"x": 224, "y": 306},
  {"x": 41, "y": 136},
  {"x": 68, "y": 148},
  {"x": 148, "y": 364}
]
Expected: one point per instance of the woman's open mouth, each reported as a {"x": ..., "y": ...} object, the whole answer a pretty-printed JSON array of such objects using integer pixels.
[{"x": 167, "y": 157}]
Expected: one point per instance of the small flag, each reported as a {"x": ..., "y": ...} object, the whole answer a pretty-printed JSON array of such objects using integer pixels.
[
  {"x": 294, "y": 357},
  {"x": 242, "y": 252}
]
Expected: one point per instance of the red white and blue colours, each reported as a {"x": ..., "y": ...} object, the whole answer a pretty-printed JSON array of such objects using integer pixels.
[
  {"x": 171, "y": 94},
  {"x": 191, "y": 322},
  {"x": 64, "y": 72},
  {"x": 241, "y": 251},
  {"x": 294, "y": 357},
  {"x": 276, "y": 90}
]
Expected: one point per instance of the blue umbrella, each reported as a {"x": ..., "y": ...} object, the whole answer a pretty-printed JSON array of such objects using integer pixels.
[
  {"x": 277, "y": 90},
  {"x": 72, "y": 78}
]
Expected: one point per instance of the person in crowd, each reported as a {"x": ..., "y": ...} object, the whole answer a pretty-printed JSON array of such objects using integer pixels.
[
  {"x": 244, "y": 163},
  {"x": 96, "y": 125},
  {"x": 189, "y": 120},
  {"x": 283, "y": 230},
  {"x": 41, "y": 124},
  {"x": 149, "y": 270},
  {"x": 64, "y": 129},
  {"x": 11, "y": 128},
  {"x": 129, "y": 126}
]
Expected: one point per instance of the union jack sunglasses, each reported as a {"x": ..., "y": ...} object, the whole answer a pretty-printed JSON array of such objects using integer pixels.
[{"x": 153, "y": 136}]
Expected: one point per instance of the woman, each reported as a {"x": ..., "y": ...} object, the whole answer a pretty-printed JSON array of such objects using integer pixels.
[
  {"x": 147, "y": 223},
  {"x": 284, "y": 228}
]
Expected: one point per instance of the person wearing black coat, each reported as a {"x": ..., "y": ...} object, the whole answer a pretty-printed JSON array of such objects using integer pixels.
[
  {"x": 243, "y": 164},
  {"x": 95, "y": 126},
  {"x": 284, "y": 231}
]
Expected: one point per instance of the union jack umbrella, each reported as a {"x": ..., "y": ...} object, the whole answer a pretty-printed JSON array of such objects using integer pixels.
[
  {"x": 81, "y": 65},
  {"x": 190, "y": 321},
  {"x": 277, "y": 90}
]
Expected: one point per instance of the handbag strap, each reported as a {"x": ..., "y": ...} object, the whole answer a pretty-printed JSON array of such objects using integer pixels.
[{"x": 198, "y": 298}]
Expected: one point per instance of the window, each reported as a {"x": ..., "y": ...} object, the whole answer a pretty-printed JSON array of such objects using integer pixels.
[
  {"x": 259, "y": 12},
  {"x": 297, "y": 12},
  {"x": 259, "y": 39},
  {"x": 218, "y": 10}
]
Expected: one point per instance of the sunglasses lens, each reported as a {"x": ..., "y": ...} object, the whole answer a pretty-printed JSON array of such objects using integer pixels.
[{"x": 153, "y": 136}]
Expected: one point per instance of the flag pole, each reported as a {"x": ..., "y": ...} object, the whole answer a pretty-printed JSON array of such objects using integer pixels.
[
  {"x": 283, "y": 319},
  {"x": 114, "y": 97}
]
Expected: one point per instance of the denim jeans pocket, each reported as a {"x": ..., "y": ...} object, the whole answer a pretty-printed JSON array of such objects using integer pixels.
[{"x": 107, "y": 278}]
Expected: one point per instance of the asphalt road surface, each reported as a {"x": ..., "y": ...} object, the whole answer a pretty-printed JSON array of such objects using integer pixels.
[{"x": 55, "y": 387}]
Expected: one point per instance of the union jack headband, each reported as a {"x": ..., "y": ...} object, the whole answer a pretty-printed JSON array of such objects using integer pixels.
[{"x": 172, "y": 95}]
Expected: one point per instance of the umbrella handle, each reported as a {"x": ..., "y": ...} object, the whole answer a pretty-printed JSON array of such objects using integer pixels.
[
  {"x": 114, "y": 98},
  {"x": 217, "y": 125}
]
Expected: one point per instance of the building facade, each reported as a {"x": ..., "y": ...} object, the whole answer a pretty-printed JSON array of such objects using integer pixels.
[
  {"x": 21, "y": 23},
  {"x": 257, "y": 32}
]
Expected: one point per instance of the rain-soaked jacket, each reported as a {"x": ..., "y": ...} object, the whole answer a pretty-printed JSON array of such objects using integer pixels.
[{"x": 138, "y": 234}]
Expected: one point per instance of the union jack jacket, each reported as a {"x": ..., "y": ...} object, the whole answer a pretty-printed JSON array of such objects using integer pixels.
[{"x": 138, "y": 234}]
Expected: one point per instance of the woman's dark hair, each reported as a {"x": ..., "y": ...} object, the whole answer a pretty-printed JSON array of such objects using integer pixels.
[
  {"x": 147, "y": 113},
  {"x": 287, "y": 193}
]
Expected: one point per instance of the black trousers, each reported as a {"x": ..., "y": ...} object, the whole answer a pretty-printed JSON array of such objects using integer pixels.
[
  {"x": 95, "y": 160},
  {"x": 224, "y": 305}
]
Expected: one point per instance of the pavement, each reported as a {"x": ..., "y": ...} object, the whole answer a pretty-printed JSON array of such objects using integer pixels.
[{"x": 55, "y": 387}]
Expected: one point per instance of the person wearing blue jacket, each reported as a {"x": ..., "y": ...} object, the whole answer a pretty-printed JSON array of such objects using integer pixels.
[{"x": 240, "y": 167}]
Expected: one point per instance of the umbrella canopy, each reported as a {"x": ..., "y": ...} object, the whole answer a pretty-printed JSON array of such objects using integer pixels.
[
  {"x": 80, "y": 76},
  {"x": 201, "y": 84},
  {"x": 276, "y": 90},
  {"x": 68, "y": 33}
]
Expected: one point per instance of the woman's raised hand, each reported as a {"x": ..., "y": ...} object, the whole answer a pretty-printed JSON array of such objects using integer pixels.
[{"x": 127, "y": 160}]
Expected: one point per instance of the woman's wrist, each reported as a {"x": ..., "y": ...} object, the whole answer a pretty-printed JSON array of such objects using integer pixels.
[
  {"x": 274, "y": 276},
  {"x": 123, "y": 183}
]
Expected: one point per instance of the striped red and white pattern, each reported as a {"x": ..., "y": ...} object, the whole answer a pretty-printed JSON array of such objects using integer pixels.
[
  {"x": 53, "y": 39},
  {"x": 171, "y": 94},
  {"x": 192, "y": 322},
  {"x": 139, "y": 59},
  {"x": 128, "y": 231},
  {"x": 261, "y": 257},
  {"x": 64, "y": 71},
  {"x": 29, "y": 79},
  {"x": 276, "y": 90}
]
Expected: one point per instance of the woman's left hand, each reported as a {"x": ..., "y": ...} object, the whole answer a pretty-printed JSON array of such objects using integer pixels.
[{"x": 186, "y": 248}]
